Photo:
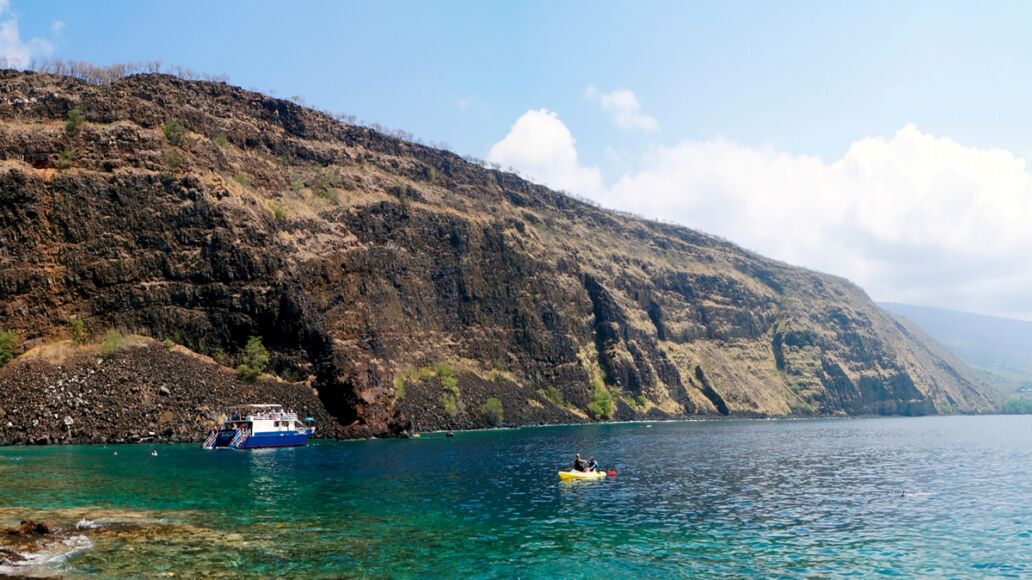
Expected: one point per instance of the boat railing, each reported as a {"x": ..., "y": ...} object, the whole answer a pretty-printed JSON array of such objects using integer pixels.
[
  {"x": 239, "y": 438},
  {"x": 278, "y": 416},
  {"x": 209, "y": 443}
]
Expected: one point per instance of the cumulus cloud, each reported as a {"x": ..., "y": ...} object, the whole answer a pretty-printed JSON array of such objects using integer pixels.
[
  {"x": 15, "y": 51},
  {"x": 623, "y": 108},
  {"x": 540, "y": 146},
  {"x": 911, "y": 217}
]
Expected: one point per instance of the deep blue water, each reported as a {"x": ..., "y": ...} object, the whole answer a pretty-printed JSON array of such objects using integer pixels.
[{"x": 938, "y": 496}]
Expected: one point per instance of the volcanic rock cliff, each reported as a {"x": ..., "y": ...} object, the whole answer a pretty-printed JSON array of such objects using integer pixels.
[{"x": 408, "y": 287}]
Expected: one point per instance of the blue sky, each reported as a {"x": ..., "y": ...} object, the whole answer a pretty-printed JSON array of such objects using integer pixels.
[
  {"x": 806, "y": 77},
  {"x": 883, "y": 141}
]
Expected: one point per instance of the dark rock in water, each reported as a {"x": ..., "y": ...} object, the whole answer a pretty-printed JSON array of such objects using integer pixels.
[
  {"x": 30, "y": 528},
  {"x": 398, "y": 287}
]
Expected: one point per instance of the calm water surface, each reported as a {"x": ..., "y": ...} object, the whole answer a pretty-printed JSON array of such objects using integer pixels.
[{"x": 935, "y": 496}]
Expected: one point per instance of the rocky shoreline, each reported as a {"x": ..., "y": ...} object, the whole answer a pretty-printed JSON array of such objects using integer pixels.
[
  {"x": 147, "y": 393},
  {"x": 144, "y": 393}
]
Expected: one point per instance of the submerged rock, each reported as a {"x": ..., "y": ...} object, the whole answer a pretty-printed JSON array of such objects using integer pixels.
[{"x": 29, "y": 528}]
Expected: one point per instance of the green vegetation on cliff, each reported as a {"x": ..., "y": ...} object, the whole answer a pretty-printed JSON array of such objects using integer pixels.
[
  {"x": 175, "y": 132},
  {"x": 602, "y": 405},
  {"x": 75, "y": 120},
  {"x": 494, "y": 410},
  {"x": 78, "y": 330},
  {"x": 112, "y": 342},
  {"x": 8, "y": 346},
  {"x": 255, "y": 360}
]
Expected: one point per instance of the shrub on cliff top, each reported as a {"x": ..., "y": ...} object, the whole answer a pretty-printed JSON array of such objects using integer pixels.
[
  {"x": 78, "y": 329},
  {"x": 494, "y": 410},
  {"x": 75, "y": 120},
  {"x": 256, "y": 360},
  {"x": 175, "y": 132},
  {"x": 8, "y": 344}
]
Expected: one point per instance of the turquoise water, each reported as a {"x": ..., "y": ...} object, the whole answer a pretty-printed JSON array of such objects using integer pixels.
[{"x": 936, "y": 496}]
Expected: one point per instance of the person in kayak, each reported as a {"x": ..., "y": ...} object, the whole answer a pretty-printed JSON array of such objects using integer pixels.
[
  {"x": 579, "y": 464},
  {"x": 592, "y": 464}
]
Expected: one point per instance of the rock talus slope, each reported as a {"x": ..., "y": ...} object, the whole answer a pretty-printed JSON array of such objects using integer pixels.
[{"x": 406, "y": 284}]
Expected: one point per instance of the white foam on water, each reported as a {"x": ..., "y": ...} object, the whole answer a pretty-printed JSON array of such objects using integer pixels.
[{"x": 46, "y": 562}]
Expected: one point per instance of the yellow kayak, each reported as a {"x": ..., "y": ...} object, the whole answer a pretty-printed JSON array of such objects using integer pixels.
[{"x": 581, "y": 475}]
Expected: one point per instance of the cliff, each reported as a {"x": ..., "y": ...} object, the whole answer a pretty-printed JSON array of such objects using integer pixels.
[{"x": 408, "y": 287}]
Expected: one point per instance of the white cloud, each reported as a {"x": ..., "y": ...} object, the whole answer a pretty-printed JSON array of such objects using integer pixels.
[
  {"x": 913, "y": 218},
  {"x": 623, "y": 108},
  {"x": 540, "y": 146},
  {"x": 910, "y": 217},
  {"x": 14, "y": 51},
  {"x": 57, "y": 27}
]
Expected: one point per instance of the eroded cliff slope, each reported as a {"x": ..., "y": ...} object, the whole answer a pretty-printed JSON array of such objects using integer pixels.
[{"x": 409, "y": 286}]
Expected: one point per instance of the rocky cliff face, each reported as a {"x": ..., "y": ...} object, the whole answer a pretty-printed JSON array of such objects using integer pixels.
[{"x": 409, "y": 286}]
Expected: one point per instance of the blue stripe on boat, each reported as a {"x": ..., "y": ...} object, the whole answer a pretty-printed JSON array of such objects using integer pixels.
[{"x": 275, "y": 439}]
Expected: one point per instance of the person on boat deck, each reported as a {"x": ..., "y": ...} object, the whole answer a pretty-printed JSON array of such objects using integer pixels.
[
  {"x": 579, "y": 464},
  {"x": 592, "y": 464}
]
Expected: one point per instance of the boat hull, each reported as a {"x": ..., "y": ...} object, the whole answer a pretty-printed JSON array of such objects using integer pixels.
[
  {"x": 576, "y": 475},
  {"x": 285, "y": 439},
  {"x": 225, "y": 439}
]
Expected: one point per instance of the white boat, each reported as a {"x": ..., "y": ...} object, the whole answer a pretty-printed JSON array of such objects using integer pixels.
[{"x": 259, "y": 426}]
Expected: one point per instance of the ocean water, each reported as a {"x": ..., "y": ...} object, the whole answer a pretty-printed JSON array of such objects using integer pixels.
[{"x": 937, "y": 496}]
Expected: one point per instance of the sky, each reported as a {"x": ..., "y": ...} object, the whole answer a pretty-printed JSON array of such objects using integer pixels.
[{"x": 880, "y": 141}]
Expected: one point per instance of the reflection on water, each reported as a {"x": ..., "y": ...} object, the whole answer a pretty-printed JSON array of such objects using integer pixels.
[{"x": 932, "y": 496}]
